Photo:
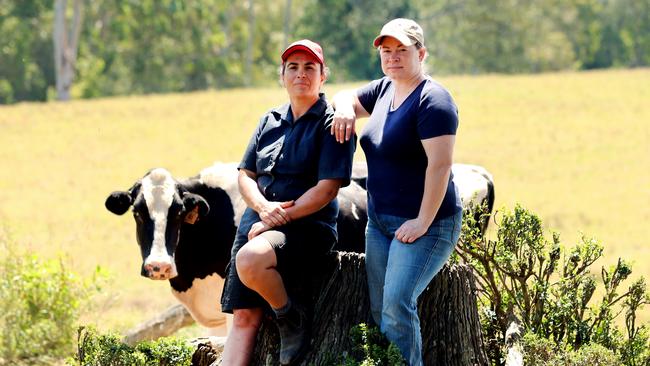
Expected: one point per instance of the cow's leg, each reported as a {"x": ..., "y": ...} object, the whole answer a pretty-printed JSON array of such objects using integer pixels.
[{"x": 202, "y": 302}]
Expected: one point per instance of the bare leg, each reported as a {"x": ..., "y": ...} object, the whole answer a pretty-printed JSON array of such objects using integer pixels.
[
  {"x": 256, "y": 262},
  {"x": 241, "y": 338}
]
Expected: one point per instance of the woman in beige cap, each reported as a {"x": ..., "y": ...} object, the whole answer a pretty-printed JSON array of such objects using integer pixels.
[
  {"x": 289, "y": 177},
  {"x": 414, "y": 210}
]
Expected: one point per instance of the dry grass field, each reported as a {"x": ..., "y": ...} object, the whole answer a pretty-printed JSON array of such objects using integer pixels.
[{"x": 572, "y": 147}]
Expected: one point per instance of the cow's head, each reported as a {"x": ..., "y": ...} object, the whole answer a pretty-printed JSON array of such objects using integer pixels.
[{"x": 160, "y": 206}]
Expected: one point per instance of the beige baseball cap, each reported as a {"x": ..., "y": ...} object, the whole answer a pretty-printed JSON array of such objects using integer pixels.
[{"x": 407, "y": 31}]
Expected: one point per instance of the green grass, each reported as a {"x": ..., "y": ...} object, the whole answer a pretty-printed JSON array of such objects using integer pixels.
[{"x": 572, "y": 147}]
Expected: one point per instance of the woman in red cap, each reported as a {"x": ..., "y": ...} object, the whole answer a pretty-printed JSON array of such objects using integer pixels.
[
  {"x": 289, "y": 177},
  {"x": 414, "y": 211}
]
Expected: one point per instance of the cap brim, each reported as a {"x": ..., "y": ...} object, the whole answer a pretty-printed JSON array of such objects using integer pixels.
[
  {"x": 402, "y": 38},
  {"x": 296, "y": 48}
]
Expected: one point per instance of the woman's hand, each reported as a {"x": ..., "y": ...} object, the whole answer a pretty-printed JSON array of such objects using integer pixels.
[
  {"x": 343, "y": 124},
  {"x": 411, "y": 230},
  {"x": 274, "y": 214},
  {"x": 257, "y": 228}
]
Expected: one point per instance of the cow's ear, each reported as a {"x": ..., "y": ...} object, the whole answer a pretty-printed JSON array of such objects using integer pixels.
[
  {"x": 191, "y": 200},
  {"x": 118, "y": 202}
]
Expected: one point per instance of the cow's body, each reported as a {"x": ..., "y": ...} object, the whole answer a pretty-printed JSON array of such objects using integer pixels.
[
  {"x": 193, "y": 256},
  {"x": 195, "y": 263}
]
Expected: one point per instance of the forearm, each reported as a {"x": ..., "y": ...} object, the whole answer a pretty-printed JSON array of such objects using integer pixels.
[
  {"x": 250, "y": 192},
  {"x": 435, "y": 187},
  {"x": 314, "y": 199},
  {"x": 347, "y": 101}
]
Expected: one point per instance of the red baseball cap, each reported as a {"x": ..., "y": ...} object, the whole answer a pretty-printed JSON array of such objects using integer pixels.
[{"x": 305, "y": 45}]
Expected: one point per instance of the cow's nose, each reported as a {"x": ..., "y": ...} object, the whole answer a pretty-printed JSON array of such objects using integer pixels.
[{"x": 158, "y": 270}]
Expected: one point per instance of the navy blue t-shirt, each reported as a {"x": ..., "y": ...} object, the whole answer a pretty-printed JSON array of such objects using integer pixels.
[
  {"x": 290, "y": 157},
  {"x": 392, "y": 144}
]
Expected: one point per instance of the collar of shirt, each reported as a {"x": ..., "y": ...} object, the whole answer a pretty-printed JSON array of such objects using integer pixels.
[{"x": 284, "y": 112}]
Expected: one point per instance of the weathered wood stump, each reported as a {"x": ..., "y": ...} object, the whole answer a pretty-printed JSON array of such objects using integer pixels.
[
  {"x": 163, "y": 325},
  {"x": 450, "y": 325}
]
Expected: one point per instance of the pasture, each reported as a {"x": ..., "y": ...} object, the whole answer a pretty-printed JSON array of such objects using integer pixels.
[{"x": 572, "y": 147}]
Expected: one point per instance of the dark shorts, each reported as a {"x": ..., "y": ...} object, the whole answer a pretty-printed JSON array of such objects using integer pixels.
[{"x": 300, "y": 247}]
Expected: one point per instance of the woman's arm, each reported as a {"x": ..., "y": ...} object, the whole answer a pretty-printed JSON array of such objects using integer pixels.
[
  {"x": 310, "y": 202},
  {"x": 315, "y": 198},
  {"x": 347, "y": 110},
  {"x": 439, "y": 151},
  {"x": 272, "y": 213}
]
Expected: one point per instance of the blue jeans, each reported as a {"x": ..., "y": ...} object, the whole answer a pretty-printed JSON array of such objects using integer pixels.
[{"x": 398, "y": 273}]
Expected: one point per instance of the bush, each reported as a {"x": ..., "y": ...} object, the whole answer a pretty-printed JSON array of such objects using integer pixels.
[
  {"x": 371, "y": 348},
  {"x": 543, "y": 352},
  {"x": 108, "y": 350},
  {"x": 550, "y": 290},
  {"x": 40, "y": 301}
]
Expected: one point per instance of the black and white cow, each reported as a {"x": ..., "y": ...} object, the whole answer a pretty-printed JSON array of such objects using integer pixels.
[
  {"x": 193, "y": 255},
  {"x": 476, "y": 188},
  {"x": 185, "y": 228}
]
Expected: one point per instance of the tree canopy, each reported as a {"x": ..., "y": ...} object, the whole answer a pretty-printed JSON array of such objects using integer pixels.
[{"x": 154, "y": 46}]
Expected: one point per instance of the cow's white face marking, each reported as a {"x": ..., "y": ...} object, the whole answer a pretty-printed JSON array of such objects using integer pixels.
[
  {"x": 355, "y": 211},
  {"x": 158, "y": 188}
]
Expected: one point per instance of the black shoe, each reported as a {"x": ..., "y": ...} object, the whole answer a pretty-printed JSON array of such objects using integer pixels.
[{"x": 294, "y": 335}]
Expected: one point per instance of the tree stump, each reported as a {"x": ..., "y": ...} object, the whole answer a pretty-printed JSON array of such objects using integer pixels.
[
  {"x": 165, "y": 324},
  {"x": 451, "y": 332}
]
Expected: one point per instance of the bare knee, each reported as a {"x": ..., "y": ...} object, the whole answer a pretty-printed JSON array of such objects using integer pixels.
[
  {"x": 250, "y": 265},
  {"x": 247, "y": 318}
]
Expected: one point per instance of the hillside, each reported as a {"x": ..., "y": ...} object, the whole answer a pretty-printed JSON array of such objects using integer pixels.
[{"x": 572, "y": 147}]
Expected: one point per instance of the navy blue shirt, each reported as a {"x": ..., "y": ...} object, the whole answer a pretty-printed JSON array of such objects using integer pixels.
[
  {"x": 290, "y": 157},
  {"x": 391, "y": 140}
]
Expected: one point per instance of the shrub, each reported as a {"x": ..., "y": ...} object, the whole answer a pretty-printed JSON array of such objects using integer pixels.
[
  {"x": 108, "y": 350},
  {"x": 544, "y": 352},
  {"x": 40, "y": 301},
  {"x": 550, "y": 289},
  {"x": 371, "y": 348}
]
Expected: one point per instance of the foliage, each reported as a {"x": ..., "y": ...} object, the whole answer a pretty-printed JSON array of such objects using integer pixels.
[
  {"x": 149, "y": 46},
  {"x": 349, "y": 50},
  {"x": 40, "y": 301},
  {"x": 540, "y": 351},
  {"x": 108, "y": 350},
  {"x": 371, "y": 348},
  {"x": 525, "y": 276}
]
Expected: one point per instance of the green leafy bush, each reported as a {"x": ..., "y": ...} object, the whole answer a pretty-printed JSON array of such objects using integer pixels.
[
  {"x": 371, "y": 348},
  {"x": 108, "y": 350},
  {"x": 544, "y": 352},
  {"x": 550, "y": 290},
  {"x": 40, "y": 301}
]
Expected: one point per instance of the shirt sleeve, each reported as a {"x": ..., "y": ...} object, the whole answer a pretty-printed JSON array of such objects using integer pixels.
[
  {"x": 437, "y": 114},
  {"x": 335, "y": 161},
  {"x": 249, "y": 161},
  {"x": 369, "y": 94}
]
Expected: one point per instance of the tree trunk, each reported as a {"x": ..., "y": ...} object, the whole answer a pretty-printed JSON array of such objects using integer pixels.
[
  {"x": 65, "y": 46},
  {"x": 451, "y": 330},
  {"x": 287, "y": 24},
  {"x": 248, "y": 75}
]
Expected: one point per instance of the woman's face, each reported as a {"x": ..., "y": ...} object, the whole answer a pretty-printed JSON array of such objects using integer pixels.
[
  {"x": 399, "y": 61},
  {"x": 302, "y": 75}
]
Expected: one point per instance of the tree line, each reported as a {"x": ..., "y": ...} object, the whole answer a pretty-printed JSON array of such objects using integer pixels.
[{"x": 155, "y": 46}]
